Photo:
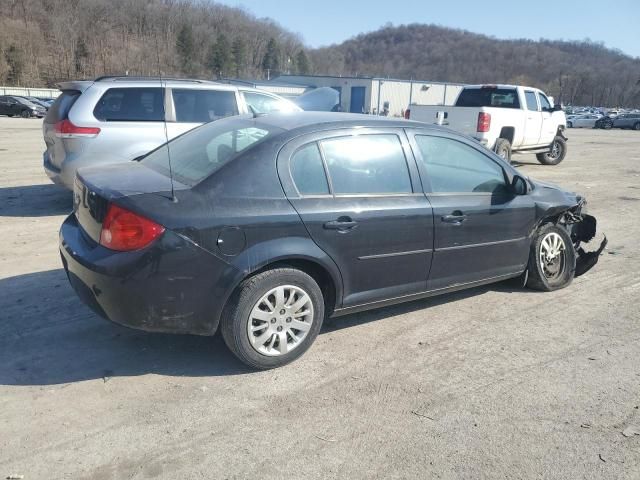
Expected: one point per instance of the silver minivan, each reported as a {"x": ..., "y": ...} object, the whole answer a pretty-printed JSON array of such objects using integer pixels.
[{"x": 118, "y": 119}]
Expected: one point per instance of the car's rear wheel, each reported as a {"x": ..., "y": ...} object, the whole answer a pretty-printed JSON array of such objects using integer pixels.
[
  {"x": 273, "y": 317},
  {"x": 25, "y": 114},
  {"x": 556, "y": 153},
  {"x": 503, "y": 149},
  {"x": 552, "y": 259},
  {"x": 607, "y": 125}
]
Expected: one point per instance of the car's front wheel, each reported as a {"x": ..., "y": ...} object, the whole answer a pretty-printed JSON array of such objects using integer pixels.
[
  {"x": 556, "y": 153},
  {"x": 636, "y": 126},
  {"x": 552, "y": 259},
  {"x": 273, "y": 317},
  {"x": 25, "y": 114}
]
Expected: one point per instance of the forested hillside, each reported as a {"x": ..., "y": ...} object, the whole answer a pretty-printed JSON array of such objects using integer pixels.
[
  {"x": 45, "y": 41},
  {"x": 582, "y": 73}
]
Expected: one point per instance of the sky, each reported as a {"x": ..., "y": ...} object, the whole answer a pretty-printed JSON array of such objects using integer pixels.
[{"x": 616, "y": 23}]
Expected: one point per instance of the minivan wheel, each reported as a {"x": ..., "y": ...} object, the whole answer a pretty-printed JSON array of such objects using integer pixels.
[
  {"x": 552, "y": 259},
  {"x": 273, "y": 317},
  {"x": 556, "y": 153},
  {"x": 25, "y": 114}
]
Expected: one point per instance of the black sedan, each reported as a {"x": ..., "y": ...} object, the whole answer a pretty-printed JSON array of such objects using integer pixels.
[{"x": 264, "y": 226}]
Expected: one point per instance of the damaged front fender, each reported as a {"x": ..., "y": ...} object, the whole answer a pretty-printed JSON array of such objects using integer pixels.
[{"x": 583, "y": 229}]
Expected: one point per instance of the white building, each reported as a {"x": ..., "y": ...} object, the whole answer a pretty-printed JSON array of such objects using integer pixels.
[{"x": 371, "y": 95}]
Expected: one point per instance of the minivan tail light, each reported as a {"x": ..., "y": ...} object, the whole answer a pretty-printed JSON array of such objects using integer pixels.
[
  {"x": 407, "y": 114},
  {"x": 123, "y": 230},
  {"x": 484, "y": 122},
  {"x": 66, "y": 129}
]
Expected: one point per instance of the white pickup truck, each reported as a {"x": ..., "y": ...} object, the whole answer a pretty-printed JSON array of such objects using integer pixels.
[{"x": 505, "y": 119}]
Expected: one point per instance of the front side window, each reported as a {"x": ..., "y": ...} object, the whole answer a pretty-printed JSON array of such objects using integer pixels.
[
  {"x": 532, "y": 103},
  {"x": 131, "y": 105},
  {"x": 307, "y": 171},
  {"x": 202, "y": 106},
  {"x": 366, "y": 164},
  {"x": 454, "y": 167},
  {"x": 267, "y": 104},
  {"x": 202, "y": 151},
  {"x": 544, "y": 103}
]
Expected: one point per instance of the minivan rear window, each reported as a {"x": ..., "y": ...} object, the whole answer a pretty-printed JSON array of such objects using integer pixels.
[
  {"x": 202, "y": 106},
  {"x": 488, "y": 97},
  {"x": 200, "y": 152},
  {"x": 60, "y": 108},
  {"x": 144, "y": 104}
]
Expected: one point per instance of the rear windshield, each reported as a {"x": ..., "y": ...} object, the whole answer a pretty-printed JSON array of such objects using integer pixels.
[
  {"x": 200, "y": 152},
  {"x": 488, "y": 97},
  {"x": 145, "y": 104},
  {"x": 60, "y": 108},
  {"x": 202, "y": 106}
]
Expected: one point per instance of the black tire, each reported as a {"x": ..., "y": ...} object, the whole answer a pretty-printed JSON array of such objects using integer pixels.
[
  {"x": 636, "y": 126},
  {"x": 538, "y": 279},
  {"x": 25, "y": 114},
  {"x": 503, "y": 148},
  {"x": 556, "y": 154},
  {"x": 607, "y": 125},
  {"x": 569, "y": 125},
  {"x": 235, "y": 317}
]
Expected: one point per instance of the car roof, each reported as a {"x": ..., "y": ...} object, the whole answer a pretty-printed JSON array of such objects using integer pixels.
[{"x": 295, "y": 121}]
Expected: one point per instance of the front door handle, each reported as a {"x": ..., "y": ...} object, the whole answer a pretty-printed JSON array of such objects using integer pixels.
[
  {"x": 342, "y": 224},
  {"x": 456, "y": 218}
]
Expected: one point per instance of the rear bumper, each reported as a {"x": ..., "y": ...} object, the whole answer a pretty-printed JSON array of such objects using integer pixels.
[{"x": 168, "y": 287}]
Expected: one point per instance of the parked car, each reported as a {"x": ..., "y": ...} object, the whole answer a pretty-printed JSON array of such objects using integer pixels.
[
  {"x": 117, "y": 119},
  {"x": 15, "y": 106},
  {"x": 504, "y": 118},
  {"x": 263, "y": 226},
  {"x": 582, "y": 121},
  {"x": 39, "y": 102},
  {"x": 623, "y": 120}
]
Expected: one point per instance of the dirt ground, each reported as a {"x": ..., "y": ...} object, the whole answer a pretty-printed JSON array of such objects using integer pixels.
[{"x": 495, "y": 382}]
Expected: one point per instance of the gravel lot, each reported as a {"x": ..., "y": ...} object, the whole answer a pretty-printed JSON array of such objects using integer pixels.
[{"x": 495, "y": 382}]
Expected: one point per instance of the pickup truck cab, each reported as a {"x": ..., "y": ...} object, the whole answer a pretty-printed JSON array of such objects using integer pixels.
[{"x": 505, "y": 119}]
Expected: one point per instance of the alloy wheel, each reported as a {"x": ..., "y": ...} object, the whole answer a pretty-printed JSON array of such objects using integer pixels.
[
  {"x": 552, "y": 255},
  {"x": 280, "y": 320}
]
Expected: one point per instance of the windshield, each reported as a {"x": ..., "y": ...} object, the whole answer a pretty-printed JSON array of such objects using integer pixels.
[
  {"x": 199, "y": 153},
  {"x": 488, "y": 97}
]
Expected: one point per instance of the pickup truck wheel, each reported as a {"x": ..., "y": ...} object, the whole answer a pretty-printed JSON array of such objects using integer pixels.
[
  {"x": 552, "y": 259},
  {"x": 503, "y": 149},
  {"x": 556, "y": 154}
]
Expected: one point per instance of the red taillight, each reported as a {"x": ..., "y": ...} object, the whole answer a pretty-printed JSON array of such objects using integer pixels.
[
  {"x": 484, "y": 122},
  {"x": 123, "y": 230},
  {"x": 66, "y": 129},
  {"x": 407, "y": 114}
]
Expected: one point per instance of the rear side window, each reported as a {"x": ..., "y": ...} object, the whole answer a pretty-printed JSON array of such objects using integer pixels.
[
  {"x": 366, "y": 164},
  {"x": 307, "y": 171},
  {"x": 453, "y": 167},
  {"x": 532, "y": 103},
  {"x": 131, "y": 105},
  {"x": 202, "y": 106},
  {"x": 61, "y": 107},
  {"x": 266, "y": 103},
  {"x": 488, "y": 97}
]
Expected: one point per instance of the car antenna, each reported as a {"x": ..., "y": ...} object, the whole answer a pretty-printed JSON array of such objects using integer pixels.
[
  {"x": 254, "y": 112},
  {"x": 164, "y": 122}
]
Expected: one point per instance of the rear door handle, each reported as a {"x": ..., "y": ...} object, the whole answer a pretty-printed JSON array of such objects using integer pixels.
[
  {"x": 456, "y": 218},
  {"x": 342, "y": 223}
]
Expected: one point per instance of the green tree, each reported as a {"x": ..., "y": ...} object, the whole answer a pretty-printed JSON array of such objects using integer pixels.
[
  {"x": 185, "y": 48},
  {"x": 302, "y": 63},
  {"x": 15, "y": 59},
  {"x": 271, "y": 59},
  {"x": 221, "y": 57},
  {"x": 239, "y": 56}
]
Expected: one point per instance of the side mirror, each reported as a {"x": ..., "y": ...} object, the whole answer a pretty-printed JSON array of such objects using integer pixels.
[
  {"x": 519, "y": 185},
  {"x": 556, "y": 108}
]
